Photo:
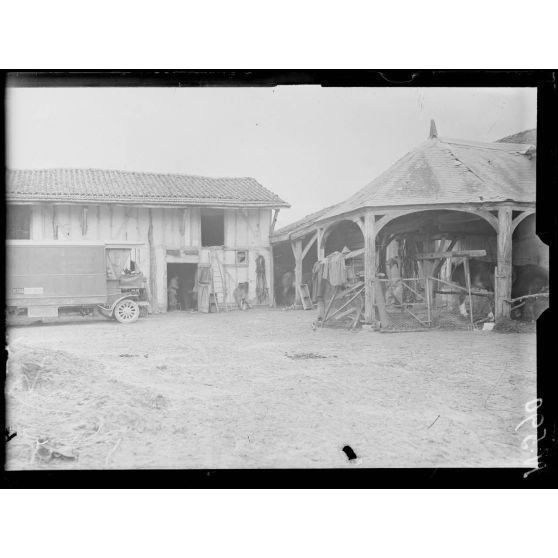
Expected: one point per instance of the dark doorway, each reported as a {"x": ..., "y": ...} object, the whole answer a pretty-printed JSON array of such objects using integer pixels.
[
  {"x": 181, "y": 286},
  {"x": 212, "y": 227}
]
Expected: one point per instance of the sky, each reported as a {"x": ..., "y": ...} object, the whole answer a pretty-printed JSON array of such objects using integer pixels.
[{"x": 312, "y": 146}]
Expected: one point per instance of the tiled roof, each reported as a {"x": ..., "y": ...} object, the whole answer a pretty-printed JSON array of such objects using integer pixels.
[
  {"x": 112, "y": 186},
  {"x": 450, "y": 171}
]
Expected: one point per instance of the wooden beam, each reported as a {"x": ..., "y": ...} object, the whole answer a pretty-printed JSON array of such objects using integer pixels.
[
  {"x": 439, "y": 264},
  {"x": 449, "y": 254},
  {"x": 380, "y": 299},
  {"x": 520, "y": 218},
  {"x": 297, "y": 252},
  {"x": 271, "y": 277},
  {"x": 320, "y": 244},
  {"x": 152, "y": 266},
  {"x": 273, "y": 221},
  {"x": 467, "y": 273},
  {"x": 429, "y": 244},
  {"x": 369, "y": 266},
  {"x": 504, "y": 270},
  {"x": 309, "y": 245},
  {"x": 354, "y": 254}
]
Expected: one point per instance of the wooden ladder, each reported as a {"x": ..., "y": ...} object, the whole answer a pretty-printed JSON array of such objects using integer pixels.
[{"x": 218, "y": 285}]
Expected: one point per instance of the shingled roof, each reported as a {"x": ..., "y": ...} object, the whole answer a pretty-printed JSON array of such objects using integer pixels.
[
  {"x": 527, "y": 136},
  {"x": 299, "y": 227},
  {"x": 442, "y": 171},
  {"x": 450, "y": 171},
  {"x": 122, "y": 187}
]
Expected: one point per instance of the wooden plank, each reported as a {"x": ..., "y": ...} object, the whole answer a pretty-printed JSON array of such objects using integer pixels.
[
  {"x": 537, "y": 295},
  {"x": 456, "y": 254},
  {"x": 152, "y": 266},
  {"x": 369, "y": 266},
  {"x": 271, "y": 277},
  {"x": 329, "y": 304},
  {"x": 439, "y": 264},
  {"x": 504, "y": 273},
  {"x": 381, "y": 304},
  {"x": 273, "y": 222},
  {"x": 309, "y": 245},
  {"x": 319, "y": 245},
  {"x": 404, "y": 283},
  {"x": 297, "y": 252},
  {"x": 344, "y": 305},
  {"x": 468, "y": 284},
  {"x": 305, "y": 297},
  {"x": 354, "y": 254}
]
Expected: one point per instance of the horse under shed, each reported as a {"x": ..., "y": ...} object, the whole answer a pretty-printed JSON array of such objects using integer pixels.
[{"x": 446, "y": 201}]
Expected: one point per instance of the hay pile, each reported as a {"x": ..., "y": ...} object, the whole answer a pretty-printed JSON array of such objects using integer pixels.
[{"x": 68, "y": 412}]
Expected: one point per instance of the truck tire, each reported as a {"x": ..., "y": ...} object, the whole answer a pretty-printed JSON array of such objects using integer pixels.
[{"x": 127, "y": 311}]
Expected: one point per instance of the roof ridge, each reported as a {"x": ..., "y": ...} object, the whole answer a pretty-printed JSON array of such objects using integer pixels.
[
  {"x": 94, "y": 183},
  {"x": 497, "y": 146},
  {"x": 99, "y": 169}
]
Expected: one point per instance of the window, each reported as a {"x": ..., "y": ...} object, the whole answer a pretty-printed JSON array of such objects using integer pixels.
[
  {"x": 19, "y": 222},
  {"x": 213, "y": 227},
  {"x": 241, "y": 257}
]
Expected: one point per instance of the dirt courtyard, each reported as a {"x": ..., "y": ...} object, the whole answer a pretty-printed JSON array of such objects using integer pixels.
[{"x": 262, "y": 389}]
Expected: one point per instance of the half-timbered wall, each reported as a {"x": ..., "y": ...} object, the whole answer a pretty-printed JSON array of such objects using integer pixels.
[{"x": 162, "y": 230}]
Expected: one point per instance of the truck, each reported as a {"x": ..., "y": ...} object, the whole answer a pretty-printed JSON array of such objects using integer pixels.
[{"x": 46, "y": 279}]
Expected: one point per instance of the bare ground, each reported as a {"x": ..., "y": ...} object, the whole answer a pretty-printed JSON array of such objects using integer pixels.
[{"x": 261, "y": 389}]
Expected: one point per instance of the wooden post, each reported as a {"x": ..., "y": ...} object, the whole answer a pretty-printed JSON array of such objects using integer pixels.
[
  {"x": 297, "y": 251},
  {"x": 428, "y": 270},
  {"x": 467, "y": 273},
  {"x": 309, "y": 245},
  {"x": 369, "y": 266},
  {"x": 380, "y": 300},
  {"x": 504, "y": 275},
  {"x": 319, "y": 244},
  {"x": 273, "y": 222},
  {"x": 271, "y": 277},
  {"x": 152, "y": 266}
]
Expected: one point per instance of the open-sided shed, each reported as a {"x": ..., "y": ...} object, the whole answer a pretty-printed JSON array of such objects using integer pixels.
[{"x": 446, "y": 193}]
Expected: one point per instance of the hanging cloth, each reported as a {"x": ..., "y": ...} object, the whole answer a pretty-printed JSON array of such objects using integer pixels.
[
  {"x": 336, "y": 272},
  {"x": 262, "y": 292},
  {"x": 317, "y": 280}
]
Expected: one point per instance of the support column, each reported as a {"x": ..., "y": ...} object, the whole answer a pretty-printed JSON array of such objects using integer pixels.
[
  {"x": 504, "y": 271},
  {"x": 369, "y": 266},
  {"x": 271, "y": 276},
  {"x": 297, "y": 251},
  {"x": 429, "y": 245},
  {"x": 152, "y": 266},
  {"x": 319, "y": 244}
]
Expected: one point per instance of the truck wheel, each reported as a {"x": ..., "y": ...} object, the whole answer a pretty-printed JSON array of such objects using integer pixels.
[{"x": 127, "y": 311}]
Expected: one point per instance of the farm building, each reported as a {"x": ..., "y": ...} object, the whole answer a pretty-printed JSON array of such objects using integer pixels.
[
  {"x": 181, "y": 224},
  {"x": 445, "y": 197}
]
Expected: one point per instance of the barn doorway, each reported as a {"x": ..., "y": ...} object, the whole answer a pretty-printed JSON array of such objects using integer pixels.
[{"x": 181, "y": 287}]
